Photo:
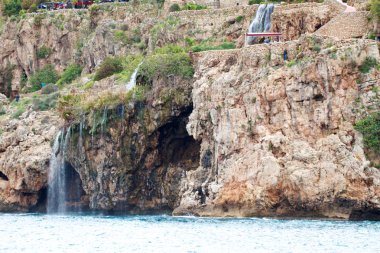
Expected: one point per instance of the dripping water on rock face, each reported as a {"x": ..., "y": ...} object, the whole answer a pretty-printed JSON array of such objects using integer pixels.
[
  {"x": 132, "y": 82},
  {"x": 64, "y": 184}
]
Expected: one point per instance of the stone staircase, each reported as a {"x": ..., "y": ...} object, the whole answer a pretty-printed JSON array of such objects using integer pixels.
[{"x": 346, "y": 25}]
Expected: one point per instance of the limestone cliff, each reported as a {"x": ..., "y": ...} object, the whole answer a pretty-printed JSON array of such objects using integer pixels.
[
  {"x": 277, "y": 138},
  {"x": 247, "y": 135},
  {"x": 25, "y": 150}
]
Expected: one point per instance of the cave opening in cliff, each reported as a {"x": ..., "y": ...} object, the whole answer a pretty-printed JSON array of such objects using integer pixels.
[
  {"x": 3, "y": 176},
  {"x": 176, "y": 146},
  {"x": 74, "y": 189},
  {"x": 164, "y": 166}
]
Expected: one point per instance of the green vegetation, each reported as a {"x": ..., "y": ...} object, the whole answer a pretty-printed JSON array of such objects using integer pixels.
[
  {"x": 170, "y": 49},
  {"x": 167, "y": 26},
  {"x": 129, "y": 66},
  {"x": 2, "y": 22},
  {"x": 69, "y": 106},
  {"x": 369, "y": 127},
  {"x": 21, "y": 108},
  {"x": 316, "y": 48},
  {"x": 190, "y": 41},
  {"x": 193, "y": 7},
  {"x": 165, "y": 65},
  {"x": 375, "y": 9},
  {"x": 88, "y": 85},
  {"x": 207, "y": 47},
  {"x": 130, "y": 37},
  {"x": 251, "y": 2},
  {"x": 12, "y": 7},
  {"x": 43, "y": 52},
  {"x": 70, "y": 74},
  {"x": 37, "y": 21},
  {"x": 46, "y": 75},
  {"x": 108, "y": 67},
  {"x": 187, "y": 6},
  {"x": 239, "y": 19},
  {"x": 368, "y": 64},
  {"x": 122, "y": 37},
  {"x": 174, "y": 7},
  {"x": 291, "y": 63},
  {"x": 46, "y": 102}
]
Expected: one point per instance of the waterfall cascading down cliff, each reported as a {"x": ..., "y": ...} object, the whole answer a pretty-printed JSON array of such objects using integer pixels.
[
  {"x": 132, "y": 82},
  {"x": 261, "y": 22},
  {"x": 56, "y": 181},
  {"x": 64, "y": 185}
]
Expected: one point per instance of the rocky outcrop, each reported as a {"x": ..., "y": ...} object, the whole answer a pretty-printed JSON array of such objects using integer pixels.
[
  {"x": 25, "y": 150},
  {"x": 130, "y": 158},
  {"x": 277, "y": 139},
  {"x": 347, "y": 25},
  {"x": 87, "y": 37},
  {"x": 294, "y": 20}
]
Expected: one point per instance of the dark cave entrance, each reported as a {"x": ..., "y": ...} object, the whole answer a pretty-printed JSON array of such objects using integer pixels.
[
  {"x": 176, "y": 146},
  {"x": 155, "y": 186},
  {"x": 73, "y": 189},
  {"x": 3, "y": 176}
]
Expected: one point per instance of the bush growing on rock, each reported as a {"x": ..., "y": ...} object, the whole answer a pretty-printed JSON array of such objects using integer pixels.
[
  {"x": 251, "y": 2},
  {"x": 207, "y": 47},
  {"x": 369, "y": 127},
  {"x": 46, "y": 75},
  {"x": 12, "y": 7},
  {"x": 109, "y": 66},
  {"x": 170, "y": 49},
  {"x": 43, "y": 52},
  {"x": 367, "y": 65},
  {"x": 166, "y": 65},
  {"x": 174, "y": 7},
  {"x": 193, "y": 7},
  {"x": 375, "y": 9},
  {"x": 70, "y": 74}
]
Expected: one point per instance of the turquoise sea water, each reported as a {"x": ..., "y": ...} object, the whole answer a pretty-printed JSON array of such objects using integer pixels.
[{"x": 44, "y": 233}]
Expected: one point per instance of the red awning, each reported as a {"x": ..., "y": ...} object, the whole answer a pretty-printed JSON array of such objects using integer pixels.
[{"x": 263, "y": 34}]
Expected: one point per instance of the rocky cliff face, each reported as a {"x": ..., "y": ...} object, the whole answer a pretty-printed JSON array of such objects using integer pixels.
[
  {"x": 88, "y": 37},
  {"x": 278, "y": 139},
  {"x": 248, "y": 135},
  {"x": 294, "y": 20},
  {"x": 25, "y": 150},
  {"x": 131, "y": 157}
]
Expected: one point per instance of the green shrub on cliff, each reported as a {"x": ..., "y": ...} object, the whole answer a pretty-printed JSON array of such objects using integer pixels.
[
  {"x": 174, "y": 7},
  {"x": 367, "y": 65},
  {"x": 108, "y": 67},
  {"x": 251, "y": 2},
  {"x": 46, "y": 75},
  {"x": 369, "y": 127},
  {"x": 1, "y": 24},
  {"x": 12, "y": 7},
  {"x": 166, "y": 65},
  {"x": 170, "y": 49},
  {"x": 207, "y": 47},
  {"x": 70, "y": 74},
  {"x": 130, "y": 63},
  {"x": 375, "y": 9},
  {"x": 193, "y": 7},
  {"x": 43, "y": 52},
  {"x": 69, "y": 106}
]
